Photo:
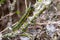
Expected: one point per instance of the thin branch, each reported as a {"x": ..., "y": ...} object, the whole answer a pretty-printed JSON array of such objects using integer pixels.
[
  {"x": 26, "y": 4},
  {"x": 18, "y": 7},
  {"x": 6, "y": 16}
]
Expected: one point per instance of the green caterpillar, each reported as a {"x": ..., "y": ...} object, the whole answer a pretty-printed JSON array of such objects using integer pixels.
[{"x": 23, "y": 19}]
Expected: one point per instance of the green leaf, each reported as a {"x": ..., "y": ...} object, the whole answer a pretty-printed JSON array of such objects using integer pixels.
[
  {"x": 26, "y": 35},
  {"x": 2, "y": 1},
  {"x": 40, "y": 0},
  {"x": 17, "y": 12}
]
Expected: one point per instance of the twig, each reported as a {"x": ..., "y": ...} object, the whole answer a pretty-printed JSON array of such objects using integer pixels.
[
  {"x": 49, "y": 22},
  {"x": 6, "y": 16},
  {"x": 26, "y": 4}
]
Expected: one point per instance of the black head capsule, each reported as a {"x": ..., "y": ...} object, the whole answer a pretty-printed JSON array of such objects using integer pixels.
[
  {"x": 32, "y": 9},
  {"x": 31, "y": 6}
]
